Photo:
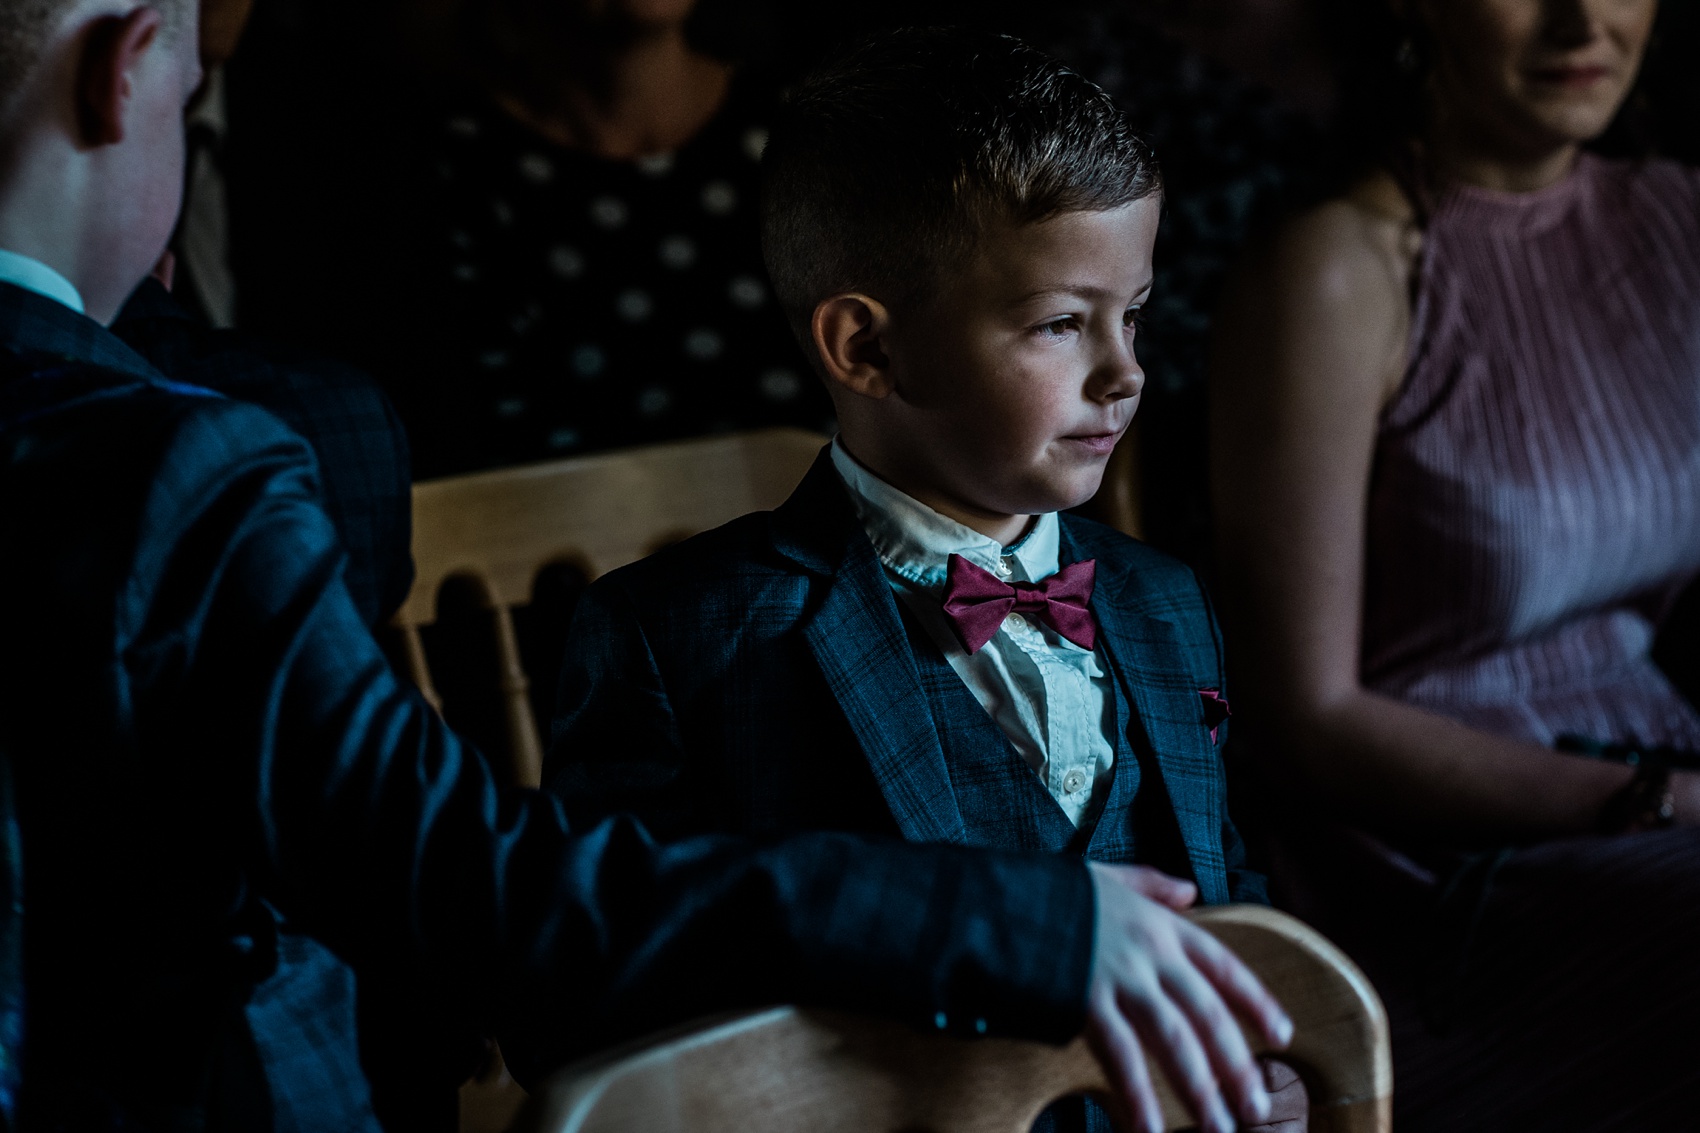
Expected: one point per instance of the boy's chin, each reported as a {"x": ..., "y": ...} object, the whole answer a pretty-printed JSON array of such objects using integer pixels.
[{"x": 1069, "y": 493}]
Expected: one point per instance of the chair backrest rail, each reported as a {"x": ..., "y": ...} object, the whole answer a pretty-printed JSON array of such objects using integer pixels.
[
  {"x": 500, "y": 529},
  {"x": 782, "y": 1069}
]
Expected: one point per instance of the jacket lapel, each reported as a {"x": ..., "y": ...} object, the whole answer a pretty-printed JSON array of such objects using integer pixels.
[
  {"x": 858, "y": 640},
  {"x": 1153, "y": 678}
]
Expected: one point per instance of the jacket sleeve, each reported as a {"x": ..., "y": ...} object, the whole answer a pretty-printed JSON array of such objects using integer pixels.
[
  {"x": 615, "y": 745},
  {"x": 375, "y": 829}
]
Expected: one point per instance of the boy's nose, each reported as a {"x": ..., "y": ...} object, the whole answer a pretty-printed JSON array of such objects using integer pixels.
[{"x": 1120, "y": 375}]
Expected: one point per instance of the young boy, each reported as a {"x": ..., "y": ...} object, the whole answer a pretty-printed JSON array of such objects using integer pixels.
[
  {"x": 961, "y": 232},
  {"x": 217, "y": 804}
]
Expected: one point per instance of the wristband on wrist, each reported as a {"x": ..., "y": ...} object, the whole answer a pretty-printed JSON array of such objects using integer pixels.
[{"x": 1646, "y": 802}]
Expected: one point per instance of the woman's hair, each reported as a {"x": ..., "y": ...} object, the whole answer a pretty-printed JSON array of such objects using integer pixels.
[
  {"x": 520, "y": 45},
  {"x": 1383, "y": 63}
]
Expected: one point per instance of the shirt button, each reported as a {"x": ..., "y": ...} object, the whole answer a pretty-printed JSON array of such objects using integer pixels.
[
  {"x": 1073, "y": 781},
  {"x": 1003, "y": 568}
]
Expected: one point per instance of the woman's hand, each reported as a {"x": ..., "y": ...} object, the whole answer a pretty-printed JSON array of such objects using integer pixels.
[
  {"x": 1685, "y": 793},
  {"x": 1164, "y": 988}
]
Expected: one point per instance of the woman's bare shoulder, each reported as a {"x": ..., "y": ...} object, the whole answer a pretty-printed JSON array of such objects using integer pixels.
[
  {"x": 1366, "y": 237},
  {"x": 1337, "y": 281}
]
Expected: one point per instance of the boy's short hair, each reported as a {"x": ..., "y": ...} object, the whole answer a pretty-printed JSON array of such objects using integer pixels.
[
  {"x": 25, "y": 28},
  {"x": 884, "y": 168}
]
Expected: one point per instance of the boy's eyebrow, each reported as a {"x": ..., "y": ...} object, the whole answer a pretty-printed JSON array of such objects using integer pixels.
[{"x": 1081, "y": 291}]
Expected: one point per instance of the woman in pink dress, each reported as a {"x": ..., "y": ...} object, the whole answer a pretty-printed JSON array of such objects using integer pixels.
[{"x": 1457, "y": 482}]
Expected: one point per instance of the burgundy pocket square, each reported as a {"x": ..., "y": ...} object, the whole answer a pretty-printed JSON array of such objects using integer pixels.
[{"x": 1216, "y": 709}]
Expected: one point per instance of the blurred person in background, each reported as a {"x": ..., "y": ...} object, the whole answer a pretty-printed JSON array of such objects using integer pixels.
[
  {"x": 202, "y": 277},
  {"x": 1457, "y": 486},
  {"x": 578, "y": 265}
]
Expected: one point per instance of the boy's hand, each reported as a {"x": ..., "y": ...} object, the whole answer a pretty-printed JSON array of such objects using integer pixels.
[{"x": 1165, "y": 987}]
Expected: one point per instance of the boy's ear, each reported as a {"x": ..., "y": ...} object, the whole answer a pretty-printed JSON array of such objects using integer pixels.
[
  {"x": 849, "y": 332},
  {"x": 106, "y": 78}
]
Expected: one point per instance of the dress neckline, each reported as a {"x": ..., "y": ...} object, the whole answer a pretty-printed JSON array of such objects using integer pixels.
[{"x": 1535, "y": 208}]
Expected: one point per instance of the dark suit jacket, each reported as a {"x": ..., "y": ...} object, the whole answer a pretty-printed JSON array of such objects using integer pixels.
[
  {"x": 758, "y": 679},
  {"x": 228, "y": 802},
  {"x": 354, "y": 430}
]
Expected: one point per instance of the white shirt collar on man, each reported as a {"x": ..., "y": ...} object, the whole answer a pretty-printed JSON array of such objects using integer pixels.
[{"x": 33, "y": 275}]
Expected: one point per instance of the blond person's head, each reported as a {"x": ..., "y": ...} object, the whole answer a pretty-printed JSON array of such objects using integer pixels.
[{"x": 91, "y": 136}]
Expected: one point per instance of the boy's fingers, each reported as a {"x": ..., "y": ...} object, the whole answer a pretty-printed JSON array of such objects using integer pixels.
[
  {"x": 1169, "y": 1036},
  {"x": 1159, "y": 886},
  {"x": 1243, "y": 991},
  {"x": 1224, "y": 1043},
  {"x": 1124, "y": 1062}
]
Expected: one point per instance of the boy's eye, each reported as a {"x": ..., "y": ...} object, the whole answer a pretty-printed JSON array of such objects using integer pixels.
[
  {"x": 1057, "y": 328},
  {"x": 1133, "y": 317}
]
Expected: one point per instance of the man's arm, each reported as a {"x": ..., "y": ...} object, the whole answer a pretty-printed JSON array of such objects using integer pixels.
[
  {"x": 615, "y": 746},
  {"x": 354, "y": 431}
]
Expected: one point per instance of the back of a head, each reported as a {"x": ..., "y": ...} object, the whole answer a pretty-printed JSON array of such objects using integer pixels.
[
  {"x": 886, "y": 166},
  {"x": 26, "y": 27}
]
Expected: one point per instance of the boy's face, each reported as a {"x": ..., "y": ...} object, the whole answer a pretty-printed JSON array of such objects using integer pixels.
[{"x": 1016, "y": 381}]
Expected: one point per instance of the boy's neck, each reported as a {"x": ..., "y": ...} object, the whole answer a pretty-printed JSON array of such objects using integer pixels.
[
  {"x": 1006, "y": 530},
  {"x": 39, "y": 220}
]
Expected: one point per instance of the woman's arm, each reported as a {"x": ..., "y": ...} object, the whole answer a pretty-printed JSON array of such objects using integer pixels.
[{"x": 1310, "y": 346}]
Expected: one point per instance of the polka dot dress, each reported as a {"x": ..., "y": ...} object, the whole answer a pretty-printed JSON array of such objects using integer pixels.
[{"x": 591, "y": 304}]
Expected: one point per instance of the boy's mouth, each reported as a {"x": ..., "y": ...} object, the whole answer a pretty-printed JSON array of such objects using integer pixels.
[{"x": 1099, "y": 444}]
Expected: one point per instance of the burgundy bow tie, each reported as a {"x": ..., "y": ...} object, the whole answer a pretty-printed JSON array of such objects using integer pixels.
[{"x": 977, "y": 602}]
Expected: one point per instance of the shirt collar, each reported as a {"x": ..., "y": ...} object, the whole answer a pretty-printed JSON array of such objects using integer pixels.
[
  {"x": 915, "y": 542},
  {"x": 33, "y": 275}
]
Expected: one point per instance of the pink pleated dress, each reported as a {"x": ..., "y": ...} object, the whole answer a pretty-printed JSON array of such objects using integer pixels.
[{"x": 1535, "y": 499}]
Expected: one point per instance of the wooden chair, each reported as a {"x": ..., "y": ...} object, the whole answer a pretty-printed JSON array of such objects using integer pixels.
[
  {"x": 500, "y": 528},
  {"x": 782, "y": 1070}
]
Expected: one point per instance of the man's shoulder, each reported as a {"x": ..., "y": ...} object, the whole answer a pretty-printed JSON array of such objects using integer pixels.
[
  {"x": 133, "y": 429},
  {"x": 309, "y": 392}
]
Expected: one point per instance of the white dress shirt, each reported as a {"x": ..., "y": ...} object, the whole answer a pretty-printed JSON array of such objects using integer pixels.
[
  {"x": 1049, "y": 696},
  {"x": 33, "y": 275}
]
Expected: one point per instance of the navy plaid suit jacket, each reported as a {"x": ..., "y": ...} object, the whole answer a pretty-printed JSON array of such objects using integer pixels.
[
  {"x": 758, "y": 679},
  {"x": 354, "y": 430},
  {"x": 228, "y": 804}
]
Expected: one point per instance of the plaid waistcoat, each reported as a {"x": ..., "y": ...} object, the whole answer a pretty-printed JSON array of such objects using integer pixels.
[{"x": 1003, "y": 803}]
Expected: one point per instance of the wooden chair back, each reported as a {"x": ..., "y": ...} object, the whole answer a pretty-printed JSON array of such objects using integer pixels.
[
  {"x": 783, "y": 1069},
  {"x": 499, "y": 529}
]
